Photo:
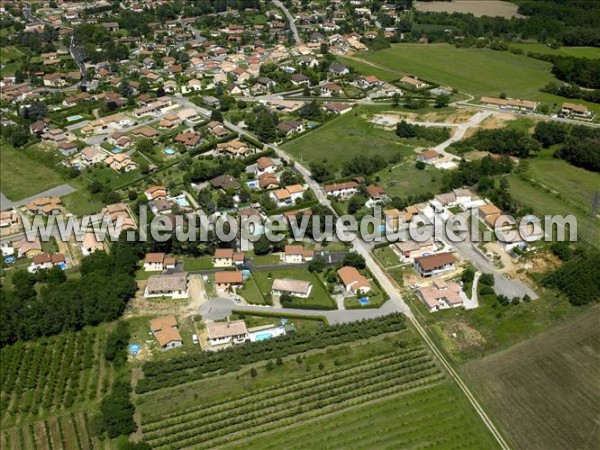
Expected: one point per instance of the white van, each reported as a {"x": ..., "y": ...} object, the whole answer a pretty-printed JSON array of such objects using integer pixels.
[{"x": 195, "y": 339}]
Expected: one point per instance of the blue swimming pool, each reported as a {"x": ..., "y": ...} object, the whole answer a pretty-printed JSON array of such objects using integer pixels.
[
  {"x": 74, "y": 118},
  {"x": 182, "y": 201},
  {"x": 364, "y": 301},
  {"x": 263, "y": 336},
  {"x": 9, "y": 260},
  {"x": 169, "y": 151},
  {"x": 117, "y": 150},
  {"x": 62, "y": 266}
]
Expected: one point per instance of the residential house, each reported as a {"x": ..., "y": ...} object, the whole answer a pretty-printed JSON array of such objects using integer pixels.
[
  {"x": 265, "y": 164},
  {"x": 337, "y": 107},
  {"x": 338, "y": 69},
  {"x": 331, "y": 89},
  {"x": 268, "y": 180},
  {"x": 188, "y": 139},
  {"x": 296, "y": 254},
  {"x": 235, "y": 148},
  {"x": 428, "y": 156},
  {"x": 299, "y": 79},
  {"x": 410, "y": 249},
  {"x": 153, "y": 262},
  {"x": 353, "y": 281},
  {"x": 172, "y": 285},
  {"x": 369, "y": 81},
  {"x": 573, "y": 109},
  {"x": 288, "y": 195},
  {"x": 509, "y": 103},
  {"x": 375, "y": 193},
  {"x": 223, "y": 257},
  {"x": 413, "y": 82},
  {"x": 90, "y": 244},
  {"x": 441, "y": 295},
  {"x": 289, "y": 127},
  {"x": 225, "y": 280},
  {"x": 9, "y": 218},
  {"x": 166, "y": 332},
  {"x": 431, "y": 265},
  {"x": 221, "y": 333},
  {"x": 490, "y": 213},
  {"x": 45, "y": 205},
  {"x": 295, "y": 288},
  {"x": 156, "y": 192},
  {"x": 67, "y": 148},
  {"x": 27, "y": 249},
  {"x": 120, "y": 162},
  {"x": 45, "y": 261},
  {"x": 342, "y": 190},
  {"x": 225, "y": 182}
]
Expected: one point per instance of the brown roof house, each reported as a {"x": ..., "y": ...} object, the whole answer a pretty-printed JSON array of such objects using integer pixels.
[
  {"x": 166, "y": 332},
  {"x": 353, "y": 280},
  {"x": 45, "y": 205},
  {"x": 432, "y": 265},
  {"x": 295, "y": 288},
  {"x": 225, "y": 280},
  {"x": 172, "y": 285},
  {"x": 441, "y": 295},
  {"x": 296, "y": 254},
  {"x": 221, "y": 333}
]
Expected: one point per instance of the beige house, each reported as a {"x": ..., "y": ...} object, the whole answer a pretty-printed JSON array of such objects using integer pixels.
[
  {"x": 221, "y": 333},
  {"x": 295, "y": 288},
  {"x": 166, "y": 332}
]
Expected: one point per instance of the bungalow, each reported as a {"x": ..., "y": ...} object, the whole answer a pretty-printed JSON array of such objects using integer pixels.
[
  {"x": 188, "y": 115},
  {"x": 92, "y": 155},
  {"x": 353, "y": 280},
  {"x": 218, "y": 129},
  {"x": 44, "y": 261},
  {"x": 120, "y": 162},
  {"x": 188, "y": 139},
  {"x": 166, "y": 332},
  {"x": 194, "y": 85},
  {"x": 224, "y": 182},
  {"x": 265, "y": 164},
  {"x": 489, "y": 214},
  {"x": 225, "y": 280},
  {"x": 331, "y": 89},
  {"x": 441, "y": 295},
  {"x": 235, "y": 148},
  {"x": 289, "y": 127},
  {"x": 153, "y": 262},
  {"x": 145, "y": 132},
  {"x": 338, "y": 69},
  {"x": 369, "y": 81},
  {"x": 38, "y": 128},
  {"x": 54, "y": 80},
  {"x": 156, "y": 192},
  {"x": 299, "y": 79},
  {"x": 337, "y": 107},
  {"x": 295, "y": 288},
  {"x": 343, "y": 190},
  {"x": 110, "y": 26},
  {"x": 221, "y": 333},
  {"x": 375, "y": 193},
  {"x": 45, "y": 205},
  {"x": 268, "y": 180},
  {"x": 413, "y": 82},
  {"x": 428, "y": 156},
  {"x": 431, "y": 265},
  {"x": 576, "y": 110},
  {"x": 67, "y": 148},
  {"x": 173, "y": 285},
  {"x": 27, "y": 248},
  {"x": 296, "y": 254},
  {"x": 509, "y": 103},
  {"x": 90, "y": 244},
  {"x": 410, "y": 249}
]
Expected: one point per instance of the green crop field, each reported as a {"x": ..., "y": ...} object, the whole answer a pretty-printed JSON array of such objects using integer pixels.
[
  {"x": 346, "y": 137},
  {"x": 21, "y": 176},
  {"x": 578, "y": 52},
  {"x": 475, "y": 71},
  {"x": 545, "y": 392},
  {"x": 378, "y": 393}
]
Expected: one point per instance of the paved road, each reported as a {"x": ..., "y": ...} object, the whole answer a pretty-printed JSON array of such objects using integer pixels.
[
  {"x": 57, "y": 191},
  {"x": 290, "y": 20},
  {"x": 459, "y": 134}
]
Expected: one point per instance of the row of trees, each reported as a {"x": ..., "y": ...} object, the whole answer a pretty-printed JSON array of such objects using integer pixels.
[
  {"x": 503, "y": 141},
  {"x": 431, "y": 134}
]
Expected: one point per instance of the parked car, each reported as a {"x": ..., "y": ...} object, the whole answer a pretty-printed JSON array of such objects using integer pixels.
[{"x": 195, "y": 339}]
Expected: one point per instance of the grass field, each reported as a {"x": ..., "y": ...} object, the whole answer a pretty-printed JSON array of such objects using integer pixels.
[
  {"x": 578, "y": 52},
  {"x": 405, "y": 179},
  {"x": 318, "y": 295},
  {"x": 346, "y": 137},
  {"x": 545, "y": 392},
  {"x": 361, "y": 67},
  {"x": 490, "y": 72},
  {"x": 21, "y": 176},
  {"x": 396, "y": 387},
  {"x": 10, "y": 54}
]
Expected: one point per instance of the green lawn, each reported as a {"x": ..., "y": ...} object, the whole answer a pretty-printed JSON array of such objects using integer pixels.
[
  {"x": 346, "y": 137},
  {"x": 252, "y": 294},
  {"x": 489, "y": 72},
  {"x": 386, "y": 256},
  {"x": 318, "y": 295},
  {"x": 9, "y": 54},
  {"x": 266, "y": 260},
  {"x": 108, "y": 177},
  {"x": 22, "y": 176},
  {"x": 405, "y": 179},
  {"x": 201, "y": 263},
  {"x": 578, "y": 52},
  {"x": 82, "y": 203},
  {"x": 367, "y": 69}
]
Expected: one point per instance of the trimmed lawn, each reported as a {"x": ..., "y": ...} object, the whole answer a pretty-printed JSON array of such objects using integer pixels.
[
  {"x": 201, "y": 263},
  {"x": 367, "y": 69},
  {"x": 252, "y": 294},
  {"x": 22, "y": 176},
  {"x": 82, "y": 203},
  {"x": 348, "y": 136},
  {"x": 405, "y": 179},
  {"x": 266, "y": 260},
  {"x": 10, "y": 54},
  {"x": 375, "y": 296},
  {"x": 397, "y": 274},
  {"x": 109, "y": 177},
  {"x": 489, "y": 72},
  {"x": 318, "y": 296}
]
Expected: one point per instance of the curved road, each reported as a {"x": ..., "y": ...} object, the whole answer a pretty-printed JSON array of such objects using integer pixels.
[{"x": 290, "y": 19}]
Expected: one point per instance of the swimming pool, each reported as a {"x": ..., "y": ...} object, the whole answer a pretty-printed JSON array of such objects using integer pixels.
[
  {"x": 169, "y": 151},
  {"x": 252, "y": 184},
  {"x": 266, "y": 333},
  {"x": 182, "y": 201},
  {"x": 263, "y": 336},
  {"x": 62, "y": 266},
  {"x": 117, "y": 150},
  {"x": 74, "y": 118}
]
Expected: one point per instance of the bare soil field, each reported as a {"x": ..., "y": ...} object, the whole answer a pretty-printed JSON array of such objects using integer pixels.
[
  {"x": 480, "y": 8},
  {"x": 545, "y": 392}
]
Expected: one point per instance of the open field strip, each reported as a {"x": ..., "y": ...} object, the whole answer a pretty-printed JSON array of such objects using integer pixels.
[{"x": 297, "y": 400}]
